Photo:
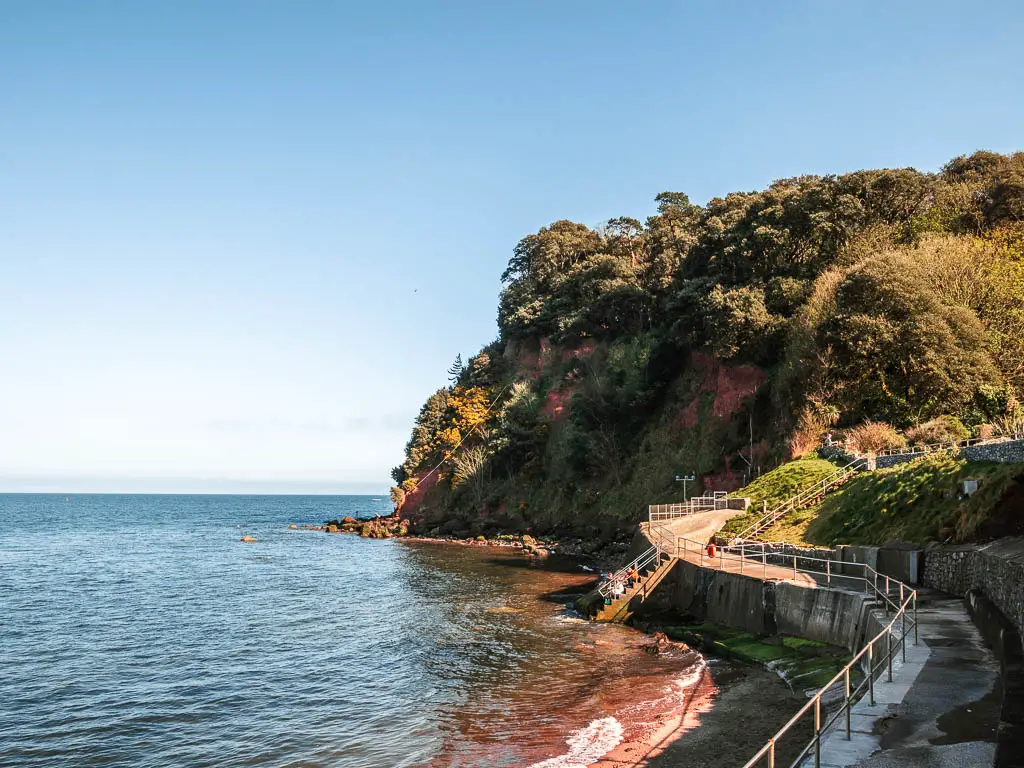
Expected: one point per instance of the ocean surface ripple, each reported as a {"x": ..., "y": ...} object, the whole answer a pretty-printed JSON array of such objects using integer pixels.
[{"x": 140, "y": 631}]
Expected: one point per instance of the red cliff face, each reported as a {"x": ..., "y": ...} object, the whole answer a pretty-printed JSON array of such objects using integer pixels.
[
  {"x": 412, "y": 503},
  {"x": 731, "y": 385}
]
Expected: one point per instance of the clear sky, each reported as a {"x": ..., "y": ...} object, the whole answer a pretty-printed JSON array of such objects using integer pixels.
[{"x": 241, "y": 242}]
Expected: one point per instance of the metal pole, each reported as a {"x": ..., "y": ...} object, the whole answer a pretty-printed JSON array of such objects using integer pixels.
[
  {"x": 846, "y": 681},
  {"x": 771, "y": 753},
  {"x": 721, "y": 558},
  {"x": 828, "y": 572},
  {"x": 903, "y": 634},
  {"x": 888, "y": 652},
  {"x": 871, "y": 673},
  {"x": 794, "y": 566},
  {"x": 886, "y": 595},
  {"x": 915, "y": 617},
  {"x": 817, "y": 731}
]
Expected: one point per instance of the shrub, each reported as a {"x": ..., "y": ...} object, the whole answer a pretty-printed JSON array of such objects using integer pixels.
[
  {"x": 874, "y": 437},
  {"x": 985, "y": 431},
  {"x": 942, "y": 429}
]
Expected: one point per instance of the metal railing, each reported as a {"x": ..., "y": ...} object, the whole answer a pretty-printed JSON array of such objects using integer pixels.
[
  {"x": 643, "y": 561},
  {"x": 793, "y": 503},
  {"x": 872, "y": 661},
  {"x": 690, "y": 507},
  {"x": 912, "y": 450}
]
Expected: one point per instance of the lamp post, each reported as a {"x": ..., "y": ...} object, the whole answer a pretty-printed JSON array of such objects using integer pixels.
[{"x": 685, "y": 479}]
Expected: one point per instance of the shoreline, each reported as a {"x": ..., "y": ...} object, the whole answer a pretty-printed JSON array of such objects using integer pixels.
[{"x": 712, "y": 725}]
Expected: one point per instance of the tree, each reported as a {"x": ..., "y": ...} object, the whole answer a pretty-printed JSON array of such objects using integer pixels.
[{"x": 456, "y": 370}]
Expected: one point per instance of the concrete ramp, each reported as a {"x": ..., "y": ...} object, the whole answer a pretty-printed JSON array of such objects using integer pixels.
[{"x": 701, "y": 526}]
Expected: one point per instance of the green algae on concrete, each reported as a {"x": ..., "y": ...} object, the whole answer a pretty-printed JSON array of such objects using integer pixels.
[{"x": 802, "y": 663}]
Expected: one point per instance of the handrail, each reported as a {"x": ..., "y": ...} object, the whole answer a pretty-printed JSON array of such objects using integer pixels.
[
  {"x": 691, "y": 506},
  {"x": 907, "y": 603},
  {"x": 851, "y": 695},
  {"x": 821, "y": 486},
  {"x": 644, "y": 559}
]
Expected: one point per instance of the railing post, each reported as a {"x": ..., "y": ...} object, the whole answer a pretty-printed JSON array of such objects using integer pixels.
[
  {"x": 771, "y": 753},
  {"x": 888, "y": 652},
  {"x": 915, "y": 617},
  {"x": 764, "y": 563},
  {"x": 743, "y": 554},
  {"x": 828, "y": 572},
  {"x": 886, "y": 595},
  {"x": 794, "y": 567},
  {"x": 817, "y": 731},
  {"x": 721, "y": 559},
  {"x": 871, "y": 673},
  {"x": 846, "y": 685},
  {"x": 903, "y": 634}
]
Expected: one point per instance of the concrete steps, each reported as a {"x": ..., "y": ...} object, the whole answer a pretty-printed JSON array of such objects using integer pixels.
[{"x": 621, "y": 609}]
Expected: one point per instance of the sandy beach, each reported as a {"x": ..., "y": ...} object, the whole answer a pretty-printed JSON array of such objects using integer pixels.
[{"x": 727, "y": 716}]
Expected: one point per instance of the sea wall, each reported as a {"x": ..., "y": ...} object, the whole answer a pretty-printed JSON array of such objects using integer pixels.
[
  {"x": 762, "y": 607},
  {"x": 996, "y": 570}
]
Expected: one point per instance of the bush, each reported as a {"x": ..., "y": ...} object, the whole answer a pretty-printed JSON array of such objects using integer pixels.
[
  {"x": 985, "y": 431},
  {"x": 943, "y": 429},
  {"x": 874, "y": 437}
]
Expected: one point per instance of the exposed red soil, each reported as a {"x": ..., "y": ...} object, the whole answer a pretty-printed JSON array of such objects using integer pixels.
[
  {"x": 556, "y": 403},
  {"x": 732, "y": 384},
  {"x": 409, "y": 508}
]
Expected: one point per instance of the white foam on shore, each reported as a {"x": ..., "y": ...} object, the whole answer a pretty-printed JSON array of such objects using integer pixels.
[{"x": 587, "y": 745}]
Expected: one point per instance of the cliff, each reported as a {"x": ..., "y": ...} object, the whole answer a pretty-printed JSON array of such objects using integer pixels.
[{"x": 718, "y": 341}]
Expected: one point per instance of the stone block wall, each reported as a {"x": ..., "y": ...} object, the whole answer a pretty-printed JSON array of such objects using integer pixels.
[
  {"x": 1008, "y": 452},
  {"x": 996, "y": 570}
]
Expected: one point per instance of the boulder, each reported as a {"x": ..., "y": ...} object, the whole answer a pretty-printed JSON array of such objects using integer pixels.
[
  {"x": 293, "y": 527},
  {"x": 248, "y": 539},
  {"x": 349, "y": 520},
  {"x": 332, "y": 529}
]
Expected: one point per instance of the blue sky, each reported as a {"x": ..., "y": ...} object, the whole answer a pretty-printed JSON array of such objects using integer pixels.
[{"x": 240, "y": 242}]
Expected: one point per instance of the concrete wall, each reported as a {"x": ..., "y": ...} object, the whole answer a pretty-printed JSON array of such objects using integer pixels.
[
  {"x": 825, "y": 615},
  {"x": 764, "y": 608},
  {"x": 901, "y": 562}
]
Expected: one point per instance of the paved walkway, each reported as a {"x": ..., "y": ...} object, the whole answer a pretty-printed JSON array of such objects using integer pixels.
[{"x": 940, "y": 711}]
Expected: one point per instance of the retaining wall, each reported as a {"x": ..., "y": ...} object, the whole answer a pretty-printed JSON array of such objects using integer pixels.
[
  {"x": 996, "y": 569},
  {"x": 763, "y": 607}
]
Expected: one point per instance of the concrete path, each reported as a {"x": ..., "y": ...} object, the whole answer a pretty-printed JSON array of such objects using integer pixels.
[
  {"x": 940, "y": 711},
  {"x": 703, "y": 525}
]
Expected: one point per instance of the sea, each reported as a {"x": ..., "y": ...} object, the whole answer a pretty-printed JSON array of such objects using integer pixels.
[{"x": 139, "y": 630}]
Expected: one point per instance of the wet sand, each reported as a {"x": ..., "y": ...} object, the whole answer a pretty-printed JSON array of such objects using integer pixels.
[{"x": 730, "y": 713}]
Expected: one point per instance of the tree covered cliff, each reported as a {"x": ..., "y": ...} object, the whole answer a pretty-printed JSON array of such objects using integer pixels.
[{"x": 719, "y": 340}]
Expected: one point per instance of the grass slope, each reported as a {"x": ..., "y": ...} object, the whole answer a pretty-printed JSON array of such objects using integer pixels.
[
  {"x": 776, "y": 486},
  {"x": 918, "y": 501}
]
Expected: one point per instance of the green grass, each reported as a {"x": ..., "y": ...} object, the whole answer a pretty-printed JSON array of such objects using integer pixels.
[
  {"x": 776, "y": 486},
  {"x": 918, "y": 501}
]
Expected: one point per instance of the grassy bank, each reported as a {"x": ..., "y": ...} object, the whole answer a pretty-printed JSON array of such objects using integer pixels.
[
  {"x": 774, "y": 487},
  {"x": 918, "y": 501}
]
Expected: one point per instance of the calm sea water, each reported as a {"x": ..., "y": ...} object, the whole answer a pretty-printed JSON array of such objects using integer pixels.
[{"x": 140, "y": 631}]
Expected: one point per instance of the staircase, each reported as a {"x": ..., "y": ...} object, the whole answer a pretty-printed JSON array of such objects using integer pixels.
[
  {"x": 655, "y": 565},
  {"x": 809, "y": 495}
]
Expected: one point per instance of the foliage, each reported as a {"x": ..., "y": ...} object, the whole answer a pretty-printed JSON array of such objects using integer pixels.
[
  {"x": 873, "y": 437},
  {"x": 943, "y": 429},
  {"x": 624, "y": 350}
]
